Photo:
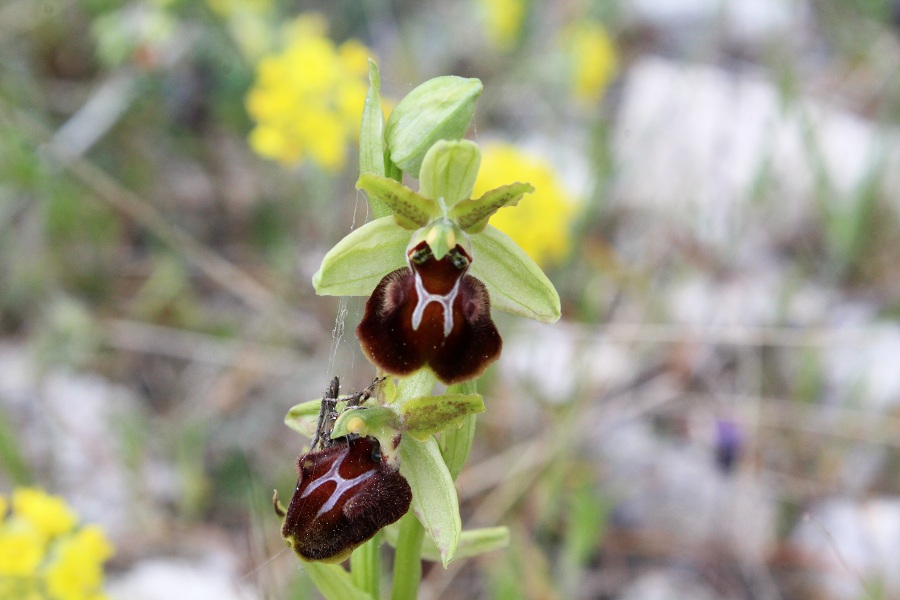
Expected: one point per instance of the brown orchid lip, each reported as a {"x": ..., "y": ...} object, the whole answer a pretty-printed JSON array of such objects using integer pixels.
[
  {"x": 430, "y": 313},
  {"x": 345, "y": 493},
  {"x": 346, "y": 490}
]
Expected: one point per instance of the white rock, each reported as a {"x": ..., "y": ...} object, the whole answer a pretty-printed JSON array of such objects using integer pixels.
[
  {"x": 746, "y": 21},
  {"x": 668, "y": 584},
  {"x": 866, "y": 372},
  {"x": 692, "y": 141},
  {"x": 674, "y": 488},
  {"x": 857, "y": 542},
  {"x": 167, "y": 579}
]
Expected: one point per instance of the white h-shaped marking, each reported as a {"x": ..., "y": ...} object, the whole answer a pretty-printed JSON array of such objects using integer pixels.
[
  {"x": 342, "y": 485},
  {"x": 426, "y": 298}
]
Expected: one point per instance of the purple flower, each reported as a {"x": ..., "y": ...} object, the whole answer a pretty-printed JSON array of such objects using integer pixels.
[{"x": 431, "y": 314}]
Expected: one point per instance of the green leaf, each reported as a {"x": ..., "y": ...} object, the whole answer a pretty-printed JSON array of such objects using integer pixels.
[
  {"x": 473, "y": 542},
  {"x": 358, "y": 262},
  {"x": 411, "y": 210},
  {"x": 427, "y": 415},
  {"x": 515, "y": 282},
  {"x": 333, "y": 582},
  {"x": 371, "y": 137},
  {"x": 472, "y": 215},
  {"x": 304, "y": 417},
  {"x": 439, "y": 109},
  {"x": 434, "y": 500},
  {"x": 449, "y": 171}
]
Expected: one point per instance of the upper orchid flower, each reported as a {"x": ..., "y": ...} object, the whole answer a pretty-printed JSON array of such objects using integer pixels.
[{"x": 434, "y": 267}]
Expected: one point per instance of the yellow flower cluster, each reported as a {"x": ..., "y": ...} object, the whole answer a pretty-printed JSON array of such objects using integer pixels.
[
  {"x": 541, "y": 221},
  {"x": 503, "y": 21},
  {"x": 44, "y": 555},
  {"x": 593, "y": 59},
  {"x": 308, "y": 98}
]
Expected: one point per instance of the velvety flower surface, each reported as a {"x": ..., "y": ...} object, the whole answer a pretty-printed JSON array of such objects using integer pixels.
[
  {"x": 431, "y": 313},
  {"x": 346, "y": 492}
]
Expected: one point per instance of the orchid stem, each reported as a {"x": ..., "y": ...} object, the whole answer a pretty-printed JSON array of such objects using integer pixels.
[
  {"x": 365, "y": 567},
  {"x": 407, "y": 560}
]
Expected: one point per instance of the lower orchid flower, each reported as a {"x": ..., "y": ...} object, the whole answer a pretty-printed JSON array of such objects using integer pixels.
[{"x": 347, "y": 490}]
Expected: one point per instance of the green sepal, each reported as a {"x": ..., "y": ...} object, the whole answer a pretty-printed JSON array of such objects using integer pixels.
[
  {"x": 434, "y": 499},
  {"x": 473, "y": 542},
  {"x": 411, "y": 210},
  {"x": 334, "y": 582},
  {"x": 472, "y": 215},
  {"x": 420, "y": 383},
  {"x": 427, "y": 415},
  {"x": 449, "y": 171},
  {"x": 359, "y": 261},
  {"x": 514, "y": 281},
  {"x": 303, "y": 417},
  {"x": 439, "y": 109},
  {"x": 371, "y": 137}
]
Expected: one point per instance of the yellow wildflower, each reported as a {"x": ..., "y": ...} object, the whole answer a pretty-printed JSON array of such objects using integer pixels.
[
  {"x": 76, "y": 572},
  {"x": 503, "y": 21},
  {"x": 22, "y": 548},
  {"x": 48, "y": 514},
  {"x": 44, "y": 555},
  {"x": 540, "y": 223},
  {"x": 308, "y": 98},
  {"x": 593, "y": 59}
]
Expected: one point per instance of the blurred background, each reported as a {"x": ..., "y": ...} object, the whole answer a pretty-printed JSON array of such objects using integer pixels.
[{"x": 716, "y": 416}]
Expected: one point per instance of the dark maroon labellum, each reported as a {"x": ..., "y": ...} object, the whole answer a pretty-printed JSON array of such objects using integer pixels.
[
  {"x": 431, "y": 313},
  {"x": 346, "y": 492}
]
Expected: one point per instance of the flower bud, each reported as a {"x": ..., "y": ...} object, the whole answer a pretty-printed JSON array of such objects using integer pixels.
[{"x": 439, "y": 109}]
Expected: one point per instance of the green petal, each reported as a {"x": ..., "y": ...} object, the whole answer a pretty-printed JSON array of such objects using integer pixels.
[
  {"x": 334, "y": 582},
  {"x": 472, "y": 215},
  {"x": 359, "y": 261},
  {"x": 380, "y": 422},
  {"x": 449, "y": 171},
  {"x": 427, "y": 415},
  {"x": 434, "y": 500},
  {"x": 411, "y": 210},
  {"x": 439, "y": 109},
  {"x": 515, "y": 282},
  {"x": 371, "y": 137},
  {"x": 376, "y": 421}
]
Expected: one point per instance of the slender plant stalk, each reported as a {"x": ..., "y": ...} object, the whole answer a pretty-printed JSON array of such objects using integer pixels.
[
  {"x": 408, "y": 560},
  {"x": 365, "y": 567}
]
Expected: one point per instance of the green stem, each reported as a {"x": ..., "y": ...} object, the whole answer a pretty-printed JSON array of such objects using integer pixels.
[
  {"x": 407, "y": 560},
  {"x": 365, "y": 567}
]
